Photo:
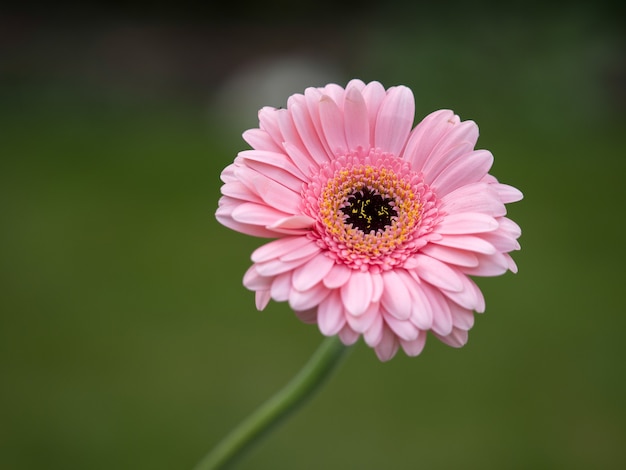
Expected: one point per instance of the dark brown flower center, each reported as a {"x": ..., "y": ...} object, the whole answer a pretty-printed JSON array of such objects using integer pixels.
[{"x": 368, "y": 211}]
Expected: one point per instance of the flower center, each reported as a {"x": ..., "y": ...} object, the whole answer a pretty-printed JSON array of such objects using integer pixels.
[{"x": 371, "y": 210}]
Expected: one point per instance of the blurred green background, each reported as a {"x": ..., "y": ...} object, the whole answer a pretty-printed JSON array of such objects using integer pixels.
[{"x": 126, "y": 338}]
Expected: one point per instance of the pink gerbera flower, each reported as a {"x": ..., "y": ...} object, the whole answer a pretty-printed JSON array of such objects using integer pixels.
[{"x": 378, "y": 226}]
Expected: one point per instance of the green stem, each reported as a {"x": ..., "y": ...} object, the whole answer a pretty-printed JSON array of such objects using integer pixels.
[{"x": 294, "y": 394}]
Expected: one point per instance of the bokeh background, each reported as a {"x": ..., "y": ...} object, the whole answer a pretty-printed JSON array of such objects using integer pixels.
[{"x": 126, "y": 338}]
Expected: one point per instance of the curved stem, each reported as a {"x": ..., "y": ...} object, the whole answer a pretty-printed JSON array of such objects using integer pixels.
[{"x": 294, "y": 394}]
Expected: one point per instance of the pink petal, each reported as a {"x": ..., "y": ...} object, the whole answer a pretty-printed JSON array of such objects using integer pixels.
[
  {"x": 509, "y": 227},
  {"x": 438, "y": 162},
  {"x": 508, "y": 193},
  {"x": 415, "y": 347},
  {"x": 261, "y": 299},
  {"x": 338, "y": 276},
  {"x": 467, "y": 242},
  {"x": 467, "y": 222},
  {"x": 305, "y": 252},
  {"x": 456, "y": 339},
  {"x": 470, "y": 297},
  {"x": 238, "y": 190},
  {"x": 356, "y": 294},
  {"x": 300, "y": 158},
  {"x": 469, "y": 169},
  {"x": 281, "y": 287},
  {"x": 332, "y": 124},
  {"x": 293, "y": 144},
  {"x": 268, "y": 122},
  {"x": 404, "y": 329},
  {"x": 223, "y": 216},
  {"x": 277, "y": 248},
  {"x": 254, "y": 281},
  {"x": 309, "y": 274},
  {"x": 260, "y": 140},
  {"x": 228, "y": 174},
  {"x": 275, "y": 159},
  {"x": 474, "y": 197},
  {"x": 307, "y": 316},
  {"x": 330, "y": 317},
  {"x": 280, "y": 175},
  {"x": 276, "y": 266},
  {"x": 490, "y": 265},
  {"x": 373, "y": 94},
  {"x": 273, "y": 193},
  {"x": 462, "y": 318},
  {"x": 307, "y": 132},
  {"x": 426, "y": 135},
  {"x": 377, "y": 287},
  {"x": 421, "y": 308},
  {"x": 312, "y": 97},
  {"x": 256, "y": 214},
  {"x": 374, "y": 334},
  {"x": 450, "y": 255},
  {"x": 356, "y": 84},
  {"x": 357, "y": 126},
  {"x": 512, "y": 265},
  {"x": 293, "y": 225},
  {"x": 308, "y": 299},
  {"x": 388, "y": 346},
  {"x": 394, "y": 120},
  {"x": 503, "y": 241},
  {"x": 363, "y": 322},
  {"x": 396, "y": 298},
  {"x": 348, "y": 336},
  {"x": 442, "y": 316},
  {"x": 463, "y": 132},
  {"x": 335, "y": 92},
  {"x": 438, "y": 274}
]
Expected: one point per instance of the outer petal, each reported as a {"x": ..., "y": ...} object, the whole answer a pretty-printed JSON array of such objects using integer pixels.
[
  {"x": 338, "y": 276},
  {"x": 438, "y": 274},
  {"x": 456, "y": 339},
  {"x": 348, "y": 336},
  {"x": 388, "y": 345},
  {"x": 261, "y": 299},
  {"x": 373, "y": 94},
  {"x": 330, "y": 316},
  {"x": 474, "y": 197},
  {"x": 394, "y": 120},
  {"x": 224, "y": 217},
  {"x": 261, "y": 140},
  {"x": 426, "y": 135},
  {"x": 357, "y": 126},
  {"x": 357, "y": 293},
  {"x": 364, "y": 322},
  {"x": 451, "y": 255},
  {"x": 396, "y": 298},
  {"x": 414, "y": 348},
  {"x": 309, "y": 274},
  {"x": 332, "y": 124},
  {"x": 403, "y": 329},
  {"x": 466, "y": 223},
  {"x": 466, "y": 170},
  {"x": 307, "y": 131},
  {"x": 465, "y": 132},
  {"x": 277, "y": 248},
  {"x": 308, "y": 299}
]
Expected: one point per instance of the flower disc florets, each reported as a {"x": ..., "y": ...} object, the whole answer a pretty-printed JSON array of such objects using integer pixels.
[{"x": 371, "y": 211}]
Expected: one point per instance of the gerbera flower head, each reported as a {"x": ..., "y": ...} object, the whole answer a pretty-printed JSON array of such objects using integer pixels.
[{"x": 377, "y": 225}]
